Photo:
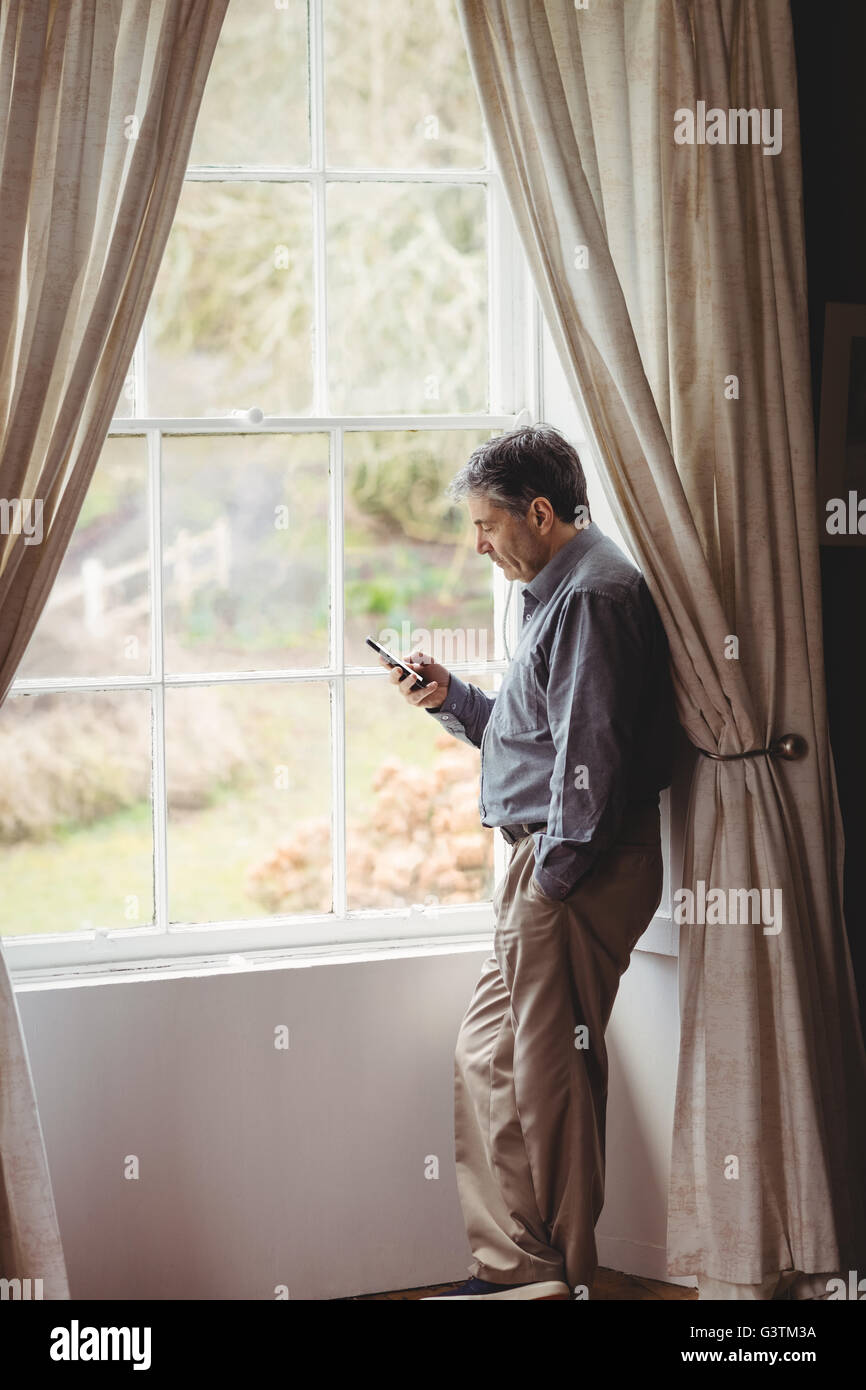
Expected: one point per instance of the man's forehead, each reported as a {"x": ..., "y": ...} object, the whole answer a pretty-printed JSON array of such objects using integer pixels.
[{"x": 482, "y": 509}]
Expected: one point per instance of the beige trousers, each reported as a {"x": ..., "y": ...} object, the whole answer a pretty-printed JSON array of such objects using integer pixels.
[{"x": 531, "y": 1069}]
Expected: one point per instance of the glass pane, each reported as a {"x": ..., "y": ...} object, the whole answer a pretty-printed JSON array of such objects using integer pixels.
[
  {"x": 255, "y": 104},
  {"x": 97, "y": 618},
  {"x": 414, "y": 833},
  {"x": 245, "y": 552},
  {"x": 412, "y": 577},
  {"x": 407, "y": 298},
  {"x": 398, "y": 89},
  {"x": 76, "y": 835},
  {"x": 229, "y": 325},
  {"x": 125, "y": 406},
  {"x": 248, "y": 775}
]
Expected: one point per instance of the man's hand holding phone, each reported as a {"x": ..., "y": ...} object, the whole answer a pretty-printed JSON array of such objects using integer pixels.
[{"x": 437, "y": 678}]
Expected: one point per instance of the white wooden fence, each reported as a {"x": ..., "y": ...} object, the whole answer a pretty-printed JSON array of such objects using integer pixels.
[{"x": 192, "y": 562}]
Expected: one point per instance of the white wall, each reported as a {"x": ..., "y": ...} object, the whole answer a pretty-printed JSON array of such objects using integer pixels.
[{"x": 303, "y": 1167}]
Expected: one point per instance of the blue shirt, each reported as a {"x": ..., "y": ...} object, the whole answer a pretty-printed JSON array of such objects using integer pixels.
[{"x": 583, "y": 721}]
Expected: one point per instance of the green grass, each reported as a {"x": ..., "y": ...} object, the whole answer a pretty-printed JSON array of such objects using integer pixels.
[{"x": 82, "y": 875}]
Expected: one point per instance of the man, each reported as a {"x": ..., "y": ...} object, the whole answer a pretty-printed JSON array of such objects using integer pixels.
[{"x": 575, "y": 748}]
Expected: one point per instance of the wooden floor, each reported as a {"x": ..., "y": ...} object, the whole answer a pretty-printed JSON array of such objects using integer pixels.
[{"x": 607, "y": 1285}]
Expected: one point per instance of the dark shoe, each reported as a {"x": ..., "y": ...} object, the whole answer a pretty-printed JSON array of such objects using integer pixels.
[{"x": 481, "y": 1288}]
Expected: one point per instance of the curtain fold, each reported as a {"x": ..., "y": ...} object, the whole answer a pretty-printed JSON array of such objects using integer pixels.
[
  {"x": 98, "y": 104},
  {"x": 672, "y": 277}
]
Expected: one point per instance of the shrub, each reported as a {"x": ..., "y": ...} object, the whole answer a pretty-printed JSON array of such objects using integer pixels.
[{"x": 422, "y": 841}]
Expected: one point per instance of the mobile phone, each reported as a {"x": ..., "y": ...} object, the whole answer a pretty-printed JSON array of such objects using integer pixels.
[{"x": 395, "y": 661}]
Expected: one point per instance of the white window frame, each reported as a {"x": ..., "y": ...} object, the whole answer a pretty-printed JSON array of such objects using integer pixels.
[
  {"x": 512, "y": 393},
  {"x": 516, "y": 372}
]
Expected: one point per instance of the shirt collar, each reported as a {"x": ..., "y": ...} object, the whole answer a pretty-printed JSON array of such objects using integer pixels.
[{"x": 548, "y": 580}]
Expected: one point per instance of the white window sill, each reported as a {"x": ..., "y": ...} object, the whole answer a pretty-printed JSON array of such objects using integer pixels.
[{"x": 108, "y": 957}]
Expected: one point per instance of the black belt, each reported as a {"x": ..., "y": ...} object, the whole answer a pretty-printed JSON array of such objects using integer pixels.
[{"x": 513, "y": 833}]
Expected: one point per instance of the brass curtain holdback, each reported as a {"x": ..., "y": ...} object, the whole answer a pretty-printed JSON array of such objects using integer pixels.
[{"x": 788, "y": 746}]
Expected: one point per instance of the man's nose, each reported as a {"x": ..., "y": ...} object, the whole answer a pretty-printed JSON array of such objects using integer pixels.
[{"x": 482, "y": 545}]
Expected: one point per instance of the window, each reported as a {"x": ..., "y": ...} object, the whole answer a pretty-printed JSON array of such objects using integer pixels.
[{"x": 200, "y": 759}]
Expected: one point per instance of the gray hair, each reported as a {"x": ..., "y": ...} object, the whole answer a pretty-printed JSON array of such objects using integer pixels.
[{"x": 514, "y": 468}]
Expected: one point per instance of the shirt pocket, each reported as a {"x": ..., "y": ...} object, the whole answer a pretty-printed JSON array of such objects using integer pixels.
[{"x": 522, "y": 712}]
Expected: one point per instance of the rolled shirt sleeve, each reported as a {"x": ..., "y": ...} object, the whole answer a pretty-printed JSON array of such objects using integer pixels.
[
  {"x": 465, "y": 711},
  {"x": 596, "y": 672}
]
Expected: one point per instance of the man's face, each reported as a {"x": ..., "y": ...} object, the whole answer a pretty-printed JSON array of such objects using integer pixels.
[{"x": 510, "y": 541}]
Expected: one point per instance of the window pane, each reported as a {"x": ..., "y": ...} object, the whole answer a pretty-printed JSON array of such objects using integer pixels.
[
  {"x": 125, "y": 407},
  {"x": 255, "y": 104},
  {"x": 412, "y": 577},
  {"x": 407, "y": 298},
  {"x": 398, "y": 89},
  {"x": 76, "y": 837},
  {"x": 229, "y": 324},
  {"x": 248, "y": 776},
  {"x": 245, "y": 552},
  {"x": 414, "y": 833},
  {"x": 97, "y": 618}
]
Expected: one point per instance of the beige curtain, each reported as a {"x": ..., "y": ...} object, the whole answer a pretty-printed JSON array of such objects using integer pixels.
[
  {"x": 98, "y": 103},
  {"x": 665, "y": 270}
]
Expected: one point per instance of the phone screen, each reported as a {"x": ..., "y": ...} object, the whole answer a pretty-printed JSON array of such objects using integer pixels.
[{"x": 395, "y": 661}]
